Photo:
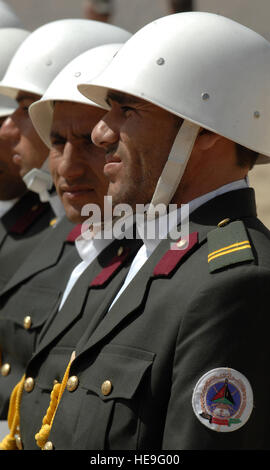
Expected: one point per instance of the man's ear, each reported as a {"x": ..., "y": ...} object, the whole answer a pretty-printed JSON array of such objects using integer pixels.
[{"x": 207, "y": 140}]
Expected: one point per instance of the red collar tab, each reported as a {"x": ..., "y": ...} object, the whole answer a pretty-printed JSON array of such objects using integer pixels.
[
  {"x": 75, "y": 233},
  {"x": 28, "y": 218},
  {"x": 111, "y": 268},
  {"x": 173, "y": 256}
]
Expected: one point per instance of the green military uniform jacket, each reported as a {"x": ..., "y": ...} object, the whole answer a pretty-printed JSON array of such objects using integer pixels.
[
  {"x": 95, "y": 288},
  {"x": 21, "y": 229},
  {"x": 29, "y": 298},
  {"x": 186, "y": 313}
]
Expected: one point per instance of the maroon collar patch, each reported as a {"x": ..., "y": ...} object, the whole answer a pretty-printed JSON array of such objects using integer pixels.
[
  {"x": 110, "y": 269},
  {"x": 173, "y": 256},
  {"x": 28, "y": 218},
  {"x": 75, "y": 233}
]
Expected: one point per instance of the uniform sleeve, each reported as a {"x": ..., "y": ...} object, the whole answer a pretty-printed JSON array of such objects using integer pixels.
[{"x": 226, "y": 326}]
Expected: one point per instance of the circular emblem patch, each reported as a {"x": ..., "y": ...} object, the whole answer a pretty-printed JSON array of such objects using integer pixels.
[{"x": 223, "y": 399}]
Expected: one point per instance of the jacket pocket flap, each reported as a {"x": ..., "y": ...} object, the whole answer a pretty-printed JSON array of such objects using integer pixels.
[
  {"x": 53, "y": 367},
  {"x": 36, "y": 303},
  {"x": 117, "y": 372}
]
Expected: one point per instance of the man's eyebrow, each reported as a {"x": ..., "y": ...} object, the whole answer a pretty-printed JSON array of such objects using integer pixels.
[
  {"x": 55, "y": 134},
  {"x": 25, "y": 97},
  {"x": 121, "y": 98}
]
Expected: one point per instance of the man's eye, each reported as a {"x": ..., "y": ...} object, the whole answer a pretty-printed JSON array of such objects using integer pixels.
[
  {"x": 87, "y": 138},
  {"x": 57, "y": 141},
  {"x": 127, "y": 109}
]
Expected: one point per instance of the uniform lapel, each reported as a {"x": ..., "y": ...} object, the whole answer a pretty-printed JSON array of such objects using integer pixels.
[
  {"x": 44, "y": 255},
  {"x": 11, "y": 217},
  {"x": 3, "y": 233},
  {"x": 74, "y": 303},
  {"x": 133, "y": 296}
]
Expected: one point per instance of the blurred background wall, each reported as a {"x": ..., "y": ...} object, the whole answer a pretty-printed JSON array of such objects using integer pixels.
[{"x": 133, "y": 14}]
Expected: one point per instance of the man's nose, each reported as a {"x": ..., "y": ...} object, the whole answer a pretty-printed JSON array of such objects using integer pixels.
[
  {"x": 71, "y": 166},
  {"x": 104, "y": 135},
  {"x": 9, "y": 131}
]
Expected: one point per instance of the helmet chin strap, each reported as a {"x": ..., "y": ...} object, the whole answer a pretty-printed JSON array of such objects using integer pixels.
[
  {"x": 175, "y": 166},
  {"x": 39, "y": 181}
]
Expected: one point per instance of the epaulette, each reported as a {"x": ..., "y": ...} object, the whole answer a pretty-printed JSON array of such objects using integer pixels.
[{"x": 228, "y": 244}]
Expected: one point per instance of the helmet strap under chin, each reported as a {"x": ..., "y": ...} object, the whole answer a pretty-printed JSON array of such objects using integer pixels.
[
  {"x": 39, "y": 181},
  {"x": 175, "y": 166}
]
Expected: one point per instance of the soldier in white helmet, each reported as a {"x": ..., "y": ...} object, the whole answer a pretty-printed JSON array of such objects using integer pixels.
[
  {"x": 189, "y": 118},
  {"x": 20, "y": 226},
  {"x": 35, "y": 289}
]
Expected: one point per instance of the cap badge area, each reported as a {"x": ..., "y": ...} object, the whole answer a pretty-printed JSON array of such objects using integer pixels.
[{"x": 223, "y": 400}]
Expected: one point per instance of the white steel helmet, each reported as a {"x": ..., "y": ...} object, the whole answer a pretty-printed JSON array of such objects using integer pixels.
[
  {"x": 8, "y": 18},
  {"x": 10, "y": 40},
  {"x": 49, "y": 48},
  {"x": 209, "y": 70},
  {"x": 64, "y": 86}
]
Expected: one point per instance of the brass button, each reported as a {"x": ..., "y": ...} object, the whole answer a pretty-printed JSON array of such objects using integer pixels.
[
  {"x": 182, "y": 243},
  {"x": 35, "y": 208},
  {"x": 53, "y": 222},
  {"x": 120, "y": 251},
  {"x": 27, "y": 322},
  {"x": 48, "y": 446},
  {"x": 72, "y": 383},
  {"x": 5, "y": 369},
  {"x": 223, "y": 222},
  {"x": 29, "y": 384},
  {"x": 19, "y": 443},
  {"x": 106, "y": 387}
]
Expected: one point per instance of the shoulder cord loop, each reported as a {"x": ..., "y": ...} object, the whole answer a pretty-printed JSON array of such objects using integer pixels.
[
  {"x": 9, "y": 441},
  {"x": 47, "y": 422}
]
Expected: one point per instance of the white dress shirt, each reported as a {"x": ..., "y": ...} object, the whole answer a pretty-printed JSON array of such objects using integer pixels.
[{"x": 89, "y": 250}]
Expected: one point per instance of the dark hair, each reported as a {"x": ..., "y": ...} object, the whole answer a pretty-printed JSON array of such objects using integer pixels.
[{"x": 245, "y": 157}]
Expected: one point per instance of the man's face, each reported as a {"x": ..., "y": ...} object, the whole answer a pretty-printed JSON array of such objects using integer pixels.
[
  {"x": 28, "y": 150},
  {"x": 137, "y": 137},
  {"x": 11, "y": 184},
  {"x": 76, "y": 164}
]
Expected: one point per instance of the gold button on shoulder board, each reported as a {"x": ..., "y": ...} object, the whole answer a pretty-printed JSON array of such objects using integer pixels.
[
  {"x": 182, "y": 243},
  {"x": 48, "y": 446},
  {"x": 27, "y": 322},
  {"x": 53, "y": 222},
  {"x": 106, "y": 387},
  {"x": 29, "y": 384},
  {"x": 120, "y": 251},
  {"x": 224, "y": 222},
  {"x": 72, "y": 383},
  {"x": 5, "y": 369}
]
